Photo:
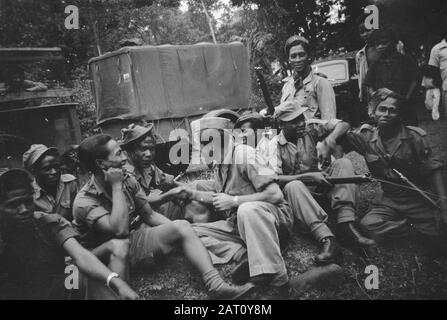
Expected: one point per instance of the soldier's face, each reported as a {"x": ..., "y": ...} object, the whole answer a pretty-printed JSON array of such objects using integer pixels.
[
  {"x": 48, "y": 171},
  {"x": 116, "y": 157},
  {"x": 294, "y": 128},
  {"x": 247, "y": 131},
  {"x": 17, "y": 205},
  {"x": 387, "y": 113},
  {"x": 144, "y": 154},
  {"x": 213, "y": 145},
  {"x": 299, "y": 58}
]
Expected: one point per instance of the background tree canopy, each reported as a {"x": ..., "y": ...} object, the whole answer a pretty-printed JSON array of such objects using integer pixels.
[{"x": 263, "y": 25}]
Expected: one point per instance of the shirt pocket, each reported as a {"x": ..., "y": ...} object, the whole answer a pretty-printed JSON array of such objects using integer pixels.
[{"x": 65, "y": 210}]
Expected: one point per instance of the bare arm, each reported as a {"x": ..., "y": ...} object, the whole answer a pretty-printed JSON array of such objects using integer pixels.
[
  {"x": 90, "y": 265},
  {"x": 272, "y": 194},
  {"x": 309, "y": 178},
  {"x": 151, "y": 217}
]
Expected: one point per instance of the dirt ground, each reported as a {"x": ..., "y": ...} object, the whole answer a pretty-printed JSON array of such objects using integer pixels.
[{"x": 406, "y": 269}]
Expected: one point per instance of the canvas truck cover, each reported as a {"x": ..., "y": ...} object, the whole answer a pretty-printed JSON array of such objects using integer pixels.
[{"x": 165, "y": 82}]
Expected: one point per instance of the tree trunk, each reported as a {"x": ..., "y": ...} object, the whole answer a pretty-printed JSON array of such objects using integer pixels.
[{"x": 210, "y": 24}]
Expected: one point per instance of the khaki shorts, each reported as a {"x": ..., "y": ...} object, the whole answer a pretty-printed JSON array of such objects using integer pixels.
[{"x": 145, "y": 245}]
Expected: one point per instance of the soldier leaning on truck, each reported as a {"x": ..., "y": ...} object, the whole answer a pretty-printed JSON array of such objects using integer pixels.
[{"x": 304, "y": 87}]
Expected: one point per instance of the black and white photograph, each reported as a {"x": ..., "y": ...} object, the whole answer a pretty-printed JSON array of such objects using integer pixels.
[{"x": 206, "y": 150}]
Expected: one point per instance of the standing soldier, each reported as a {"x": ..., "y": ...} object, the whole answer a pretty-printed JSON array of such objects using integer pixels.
[
  {"x": 394, "y": 151},
  {"x": 305, "y": 88},
  {"x": 438, "y": 59}
]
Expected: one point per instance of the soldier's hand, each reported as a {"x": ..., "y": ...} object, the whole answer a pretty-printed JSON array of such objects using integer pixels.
[
  {"x": 182, "y": 192},
  {"x": 318, "y": 178},
  {"x": 114, "y": 176},
  {"x": 223, "y": 202},
  {"x": 126, "y": 293}
]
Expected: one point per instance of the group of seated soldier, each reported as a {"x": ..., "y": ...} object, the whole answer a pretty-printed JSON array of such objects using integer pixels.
[{"x": 130, "y": 213}]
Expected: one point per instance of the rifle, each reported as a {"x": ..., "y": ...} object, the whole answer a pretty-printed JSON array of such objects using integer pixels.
[
  {"x": 265, "y": 91},
  {"x": 352, "y": 179}
]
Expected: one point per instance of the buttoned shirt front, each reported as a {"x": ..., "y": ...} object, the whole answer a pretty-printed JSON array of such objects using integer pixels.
[
  {"x": 314, "y": 93},
  {"x": 408, "y": 152},
  {"x": 438, "y": 59},
  {"x": 288, "y": 158},
  {"x": 94, "y": 202},
  {"x": 65, "y": 195}
]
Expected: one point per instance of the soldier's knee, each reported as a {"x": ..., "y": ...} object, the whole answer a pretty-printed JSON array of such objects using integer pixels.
[
  {"x": 369, "y": 222},
  {"x": 246, "y": 210},
  {"x": 294, "y": 186},
  {"x": 181, "y": 228},
  {"x": 119, "y": 248}
]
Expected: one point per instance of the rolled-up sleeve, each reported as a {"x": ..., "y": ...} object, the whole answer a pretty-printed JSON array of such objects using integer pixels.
[
  {"x": 87, "y": 210},
  {"x": 56, "y": 228},
  {"x": 326, "y": 99},
  {"x": 136, "y": 192},
  {"x": 254, "y": 168}
]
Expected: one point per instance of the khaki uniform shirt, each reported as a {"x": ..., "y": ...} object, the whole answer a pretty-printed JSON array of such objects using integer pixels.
[
  {"x": 315, "y": 93},
  {"x": 408, "y": 152},
  {"x": 65, "y": 195},
  {"x": 287, "y": 158},
  {"x": 93, "y": 202},
  {"x": 151, "y": 178},
  {"x": 244, "y": 173}
]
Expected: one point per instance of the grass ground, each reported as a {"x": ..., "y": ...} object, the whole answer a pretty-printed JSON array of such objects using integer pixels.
[{"x": 406, "y": 270}]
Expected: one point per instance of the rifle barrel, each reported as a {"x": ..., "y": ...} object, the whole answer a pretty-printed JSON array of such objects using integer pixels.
[{"x": 343, "y": 180}]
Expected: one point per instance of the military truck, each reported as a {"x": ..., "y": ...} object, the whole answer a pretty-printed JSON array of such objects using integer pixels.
[
  {"x": 169, "y": 86},
  {"x": 28, "y": 117},
  {"x": 340, "y": 70}
]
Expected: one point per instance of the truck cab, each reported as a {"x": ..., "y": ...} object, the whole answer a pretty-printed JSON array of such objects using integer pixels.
[{"x": 43, "y": 114}]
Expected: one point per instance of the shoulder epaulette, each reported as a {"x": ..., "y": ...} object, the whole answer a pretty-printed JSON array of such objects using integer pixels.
[
  {"x": 418, "y": 130},
  {"x": 366, "y": 126},
  {"x": 320, "y": 75}
]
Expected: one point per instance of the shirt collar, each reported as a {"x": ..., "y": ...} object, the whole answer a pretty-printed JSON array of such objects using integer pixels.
[
  {"x": 443, "y": 44},
  {"x": 306, "y": 80},
  {"x": 282, "y": 138},
  {"x": 402, "y": 135},
  {"x": 39, "y": 192}
]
